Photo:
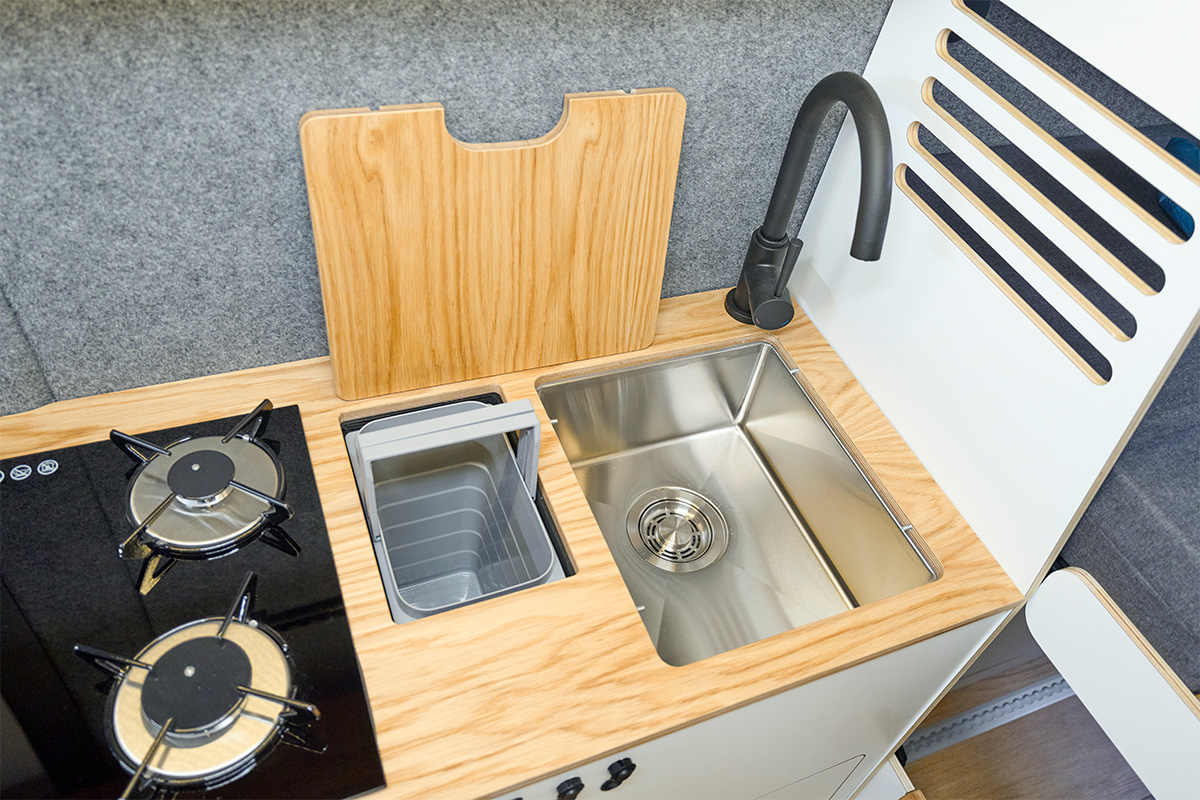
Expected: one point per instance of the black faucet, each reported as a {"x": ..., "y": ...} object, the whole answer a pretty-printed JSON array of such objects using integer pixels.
[{"x": 761, "y": 296}]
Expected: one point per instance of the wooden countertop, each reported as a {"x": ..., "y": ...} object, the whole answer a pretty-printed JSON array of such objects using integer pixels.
[{"x": 486, "y": 698}]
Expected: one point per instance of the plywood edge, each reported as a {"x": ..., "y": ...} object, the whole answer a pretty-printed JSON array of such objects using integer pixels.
[
  {"x": 574, "y": 103},
  {"x": 1019, "y": 241},
  {"x": 979, "y": 261},
  {"x": 54, "y": 425},
  {"x": 1116, "y": 453},
  {"x": 1068, "y": 221},
  {"x": 527, "y": 643},
  {"x": 576, "y": 99},
  {"x": 1037, "y": 130},
  {"x": 1135, "y": 636},
  {"x": 1092, "y": 102},
  {"x": 309, "y": 116}
]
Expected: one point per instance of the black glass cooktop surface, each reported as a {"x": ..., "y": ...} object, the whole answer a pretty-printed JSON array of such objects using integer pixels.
[{"x": 62, "y": 521}]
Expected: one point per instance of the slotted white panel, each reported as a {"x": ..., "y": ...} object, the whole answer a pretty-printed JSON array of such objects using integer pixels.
[
  {"x": 1148, "y": 46},
  {"x": 1015, "y": 434}
]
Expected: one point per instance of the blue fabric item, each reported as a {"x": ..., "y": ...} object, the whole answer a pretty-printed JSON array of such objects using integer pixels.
[{"x": 1188, "y": 152}]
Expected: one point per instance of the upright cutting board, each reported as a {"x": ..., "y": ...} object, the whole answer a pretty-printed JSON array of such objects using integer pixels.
[{"x": 442, "y": 261}]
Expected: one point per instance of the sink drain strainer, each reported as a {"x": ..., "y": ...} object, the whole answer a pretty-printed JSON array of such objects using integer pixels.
[{"x": 676, "y": 529}]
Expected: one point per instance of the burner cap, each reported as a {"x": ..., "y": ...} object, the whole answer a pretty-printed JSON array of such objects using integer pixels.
[
  {"x": 195, "y": 683},
  {"x": 201, "y": 474}
]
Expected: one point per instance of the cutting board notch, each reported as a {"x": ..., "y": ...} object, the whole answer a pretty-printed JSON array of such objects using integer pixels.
[{"x": 442, "y": 261}]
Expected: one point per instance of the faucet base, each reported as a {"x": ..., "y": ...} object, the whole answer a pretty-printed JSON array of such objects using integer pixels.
[
  {"x": 768, "y": 311},
  {"x": 732, "y": 308}
]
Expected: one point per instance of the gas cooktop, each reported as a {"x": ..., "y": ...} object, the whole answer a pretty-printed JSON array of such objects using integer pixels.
[{"x": 172, "y": 623}]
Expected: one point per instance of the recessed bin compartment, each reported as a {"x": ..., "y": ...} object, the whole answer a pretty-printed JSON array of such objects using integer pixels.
[{"x": 450, "y": 506}]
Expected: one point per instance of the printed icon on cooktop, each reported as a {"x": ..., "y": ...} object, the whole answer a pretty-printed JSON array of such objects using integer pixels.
[
  {"x": 20, "y": 472},
  {"x": 48, "y": 467}
]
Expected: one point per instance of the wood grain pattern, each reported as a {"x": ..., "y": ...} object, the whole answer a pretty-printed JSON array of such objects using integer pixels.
[
  {"x": 442, "y": 261},
  {"x": 1057, "y": 752},
  {"x": 486, "y": 698},
  {"x": 985, "y": 690}
]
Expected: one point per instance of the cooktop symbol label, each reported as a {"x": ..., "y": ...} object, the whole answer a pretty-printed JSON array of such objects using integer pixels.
[
  {"x": 48, "y": 467},
  {"x": 20, "y": 472}
]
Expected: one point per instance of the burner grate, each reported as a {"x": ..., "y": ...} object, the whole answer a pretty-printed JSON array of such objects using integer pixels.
[
  {"x": 203, "y": 498},
  {"x": 184, "y": 712}
]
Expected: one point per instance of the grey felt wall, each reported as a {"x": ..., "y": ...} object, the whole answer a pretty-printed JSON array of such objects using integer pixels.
[{"x": 155, "y": 224}]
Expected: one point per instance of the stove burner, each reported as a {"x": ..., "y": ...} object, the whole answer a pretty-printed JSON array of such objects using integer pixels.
[
  {"x": 203, "y": 498},
  {"x": 195, "y": 685},
  {"x": 203, "y": 476},
  {"x": 184, "y": 712}
]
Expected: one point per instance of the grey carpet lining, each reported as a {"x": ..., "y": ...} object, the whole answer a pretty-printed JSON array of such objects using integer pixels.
[
  {"x": 156, "y": 226},
  {"x": 26, "y": 382},
  {"x": 1140, "y": 537},
  {"x": 154, "y": 223}
]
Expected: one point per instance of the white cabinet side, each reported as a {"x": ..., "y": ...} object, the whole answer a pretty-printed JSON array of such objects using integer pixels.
[
  {"x": 752, "y": 751},
  {"x": 1151, "y": 719},
  {"x": 1017, "y": 436}
]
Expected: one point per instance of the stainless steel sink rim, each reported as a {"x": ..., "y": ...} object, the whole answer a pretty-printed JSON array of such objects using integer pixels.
[
  {"x": 815, "y": 533},
  {"x": 677, "y": 529}
]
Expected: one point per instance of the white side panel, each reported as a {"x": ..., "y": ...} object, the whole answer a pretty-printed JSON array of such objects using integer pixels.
[
  {"x": 770, "y": 745},
  {"x": 886, "y": 784},
  {"x": 821, "y": 786},
  {"x": 1014, "y": 433},
  {"x": 1145, "y": 715},
  {"x": 1139, "y": 44}
]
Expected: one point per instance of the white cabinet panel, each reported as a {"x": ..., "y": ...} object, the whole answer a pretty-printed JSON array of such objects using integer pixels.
[
  {"x": 886, "y": 783},
  {"x": 821, "y": 786},
  {"x": 768, "y": 746},
  {"x": 1016, "y": 436},
  {"x": 1143, "y": 708}
]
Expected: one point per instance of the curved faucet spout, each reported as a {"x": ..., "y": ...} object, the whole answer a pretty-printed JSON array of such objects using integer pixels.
[
  {"x": 875, "y": 153},
  {"x": 761, "y": 296}
]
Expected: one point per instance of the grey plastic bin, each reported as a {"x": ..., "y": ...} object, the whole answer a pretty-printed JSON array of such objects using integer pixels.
[{"x": 450, "y": 509}]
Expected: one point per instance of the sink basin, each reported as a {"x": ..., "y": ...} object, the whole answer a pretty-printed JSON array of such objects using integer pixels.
[{"x": 730, "y": 503}]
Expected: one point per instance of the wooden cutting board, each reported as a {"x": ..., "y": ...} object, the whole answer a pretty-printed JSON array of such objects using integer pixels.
[{"x": 442, "y": 261}]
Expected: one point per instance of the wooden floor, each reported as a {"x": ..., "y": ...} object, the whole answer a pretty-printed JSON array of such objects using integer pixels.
[{"x": 1057, "y": 753}]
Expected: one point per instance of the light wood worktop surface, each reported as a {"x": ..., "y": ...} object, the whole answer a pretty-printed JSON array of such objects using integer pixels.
[{"x": 484, "y": 699}]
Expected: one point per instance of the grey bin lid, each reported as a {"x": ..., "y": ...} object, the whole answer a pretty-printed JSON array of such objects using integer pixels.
[
  {"x": 454, "y": 424},
  {"x": 408, "y": 540}
]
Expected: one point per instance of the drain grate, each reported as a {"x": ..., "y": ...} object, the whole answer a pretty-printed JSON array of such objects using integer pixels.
[{"x": 676, "y": 529}]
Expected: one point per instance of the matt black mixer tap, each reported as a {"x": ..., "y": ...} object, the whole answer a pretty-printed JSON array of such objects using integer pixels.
[{"x": 761, "y": 296}]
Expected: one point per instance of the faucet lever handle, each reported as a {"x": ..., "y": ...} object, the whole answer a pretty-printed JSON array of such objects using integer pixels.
[
  {"x": 789, "y": 263},
  {"x": 761, "y": 296}
]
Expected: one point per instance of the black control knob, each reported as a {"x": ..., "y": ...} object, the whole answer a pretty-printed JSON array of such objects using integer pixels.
[
  {"x": 619, "y": 771},
  {"x": 569, "y": 789}
]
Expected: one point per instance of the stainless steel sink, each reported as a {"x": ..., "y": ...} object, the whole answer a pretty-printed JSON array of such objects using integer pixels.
[{"x": 732, "y": 508}]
